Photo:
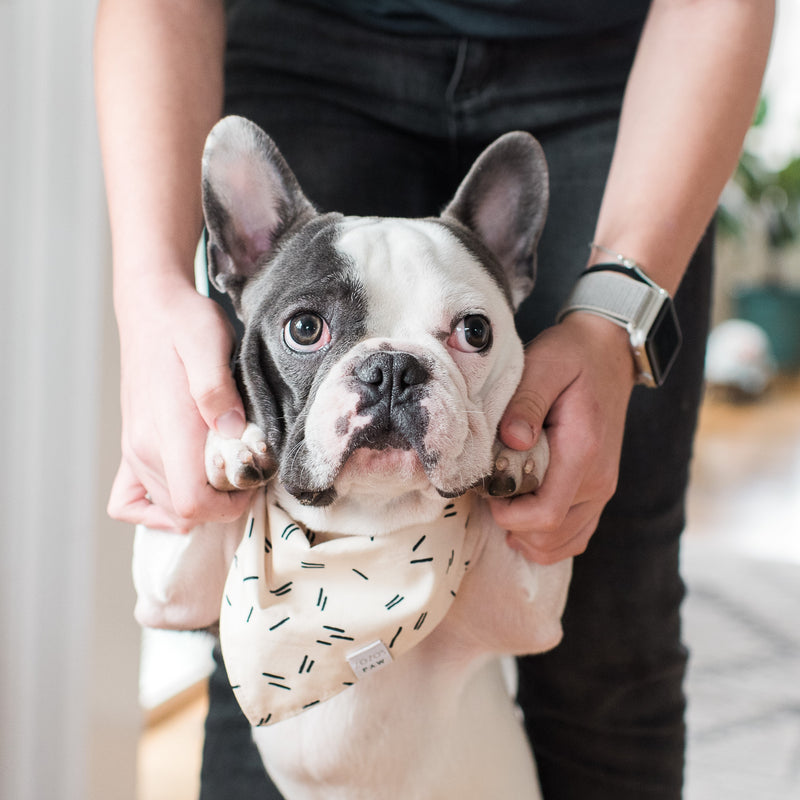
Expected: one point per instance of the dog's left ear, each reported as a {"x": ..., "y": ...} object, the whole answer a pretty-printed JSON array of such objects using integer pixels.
[
  {"x": 503, "y": 200},
  {"x": 250, "y": 200}
]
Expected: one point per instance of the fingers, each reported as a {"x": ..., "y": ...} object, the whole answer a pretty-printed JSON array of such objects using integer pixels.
[
  {"x": 162, "y": 482},
  {"x": 206, "y": 359},
  {"x": 182, "y": 455},
  {"x": 577, "y": 381},
  {"x": 191, "y": 495},
  {"x": 176, "y": 385},
  {"x": 558, "y": 520},
  {"x": 542, "y": 534},
  {"x": 545, "y": 549},
  {"x": 543, "y": 381},
  {"x": 581, "y": 469},
  {"x": 129, "y": 502}
]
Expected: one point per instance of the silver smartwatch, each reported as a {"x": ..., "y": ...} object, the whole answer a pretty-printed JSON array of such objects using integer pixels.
[{"x": 623, "y": 294}]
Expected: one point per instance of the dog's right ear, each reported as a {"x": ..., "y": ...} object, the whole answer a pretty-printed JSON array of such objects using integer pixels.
[{"x": 250, "y": 200}]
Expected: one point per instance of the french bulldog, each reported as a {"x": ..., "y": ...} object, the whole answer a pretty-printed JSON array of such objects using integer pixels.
[{"x": 377, "y": 359}]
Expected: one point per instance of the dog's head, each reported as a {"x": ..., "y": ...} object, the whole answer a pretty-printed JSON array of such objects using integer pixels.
[{"x": 378, "y": 354}]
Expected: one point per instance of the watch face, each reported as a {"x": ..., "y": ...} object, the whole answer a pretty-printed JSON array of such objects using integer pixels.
[{"x": 663, "y": 342}]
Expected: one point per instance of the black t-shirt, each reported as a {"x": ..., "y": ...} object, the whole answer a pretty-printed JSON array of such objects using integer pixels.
[{"x": 492, "y": 19}]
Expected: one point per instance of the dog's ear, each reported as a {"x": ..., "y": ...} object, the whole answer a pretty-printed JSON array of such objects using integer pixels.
[
  {"x": 503, "y": 200},
  {"x": 250, "y": 199}
]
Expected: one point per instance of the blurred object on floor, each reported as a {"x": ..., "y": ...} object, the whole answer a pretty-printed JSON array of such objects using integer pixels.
[{"x": 739, "y": 359}]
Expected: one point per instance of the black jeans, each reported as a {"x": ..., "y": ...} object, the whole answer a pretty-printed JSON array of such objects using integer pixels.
[{"x": 379, "y": 124}]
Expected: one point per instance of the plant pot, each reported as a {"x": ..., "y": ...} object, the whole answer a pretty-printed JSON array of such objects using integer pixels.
[{"x": 776, "y": 309}]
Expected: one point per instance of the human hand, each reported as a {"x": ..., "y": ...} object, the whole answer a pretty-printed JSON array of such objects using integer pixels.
[
  {"x": 176, "y": 384},
  {"x": 577, "y": 382}
]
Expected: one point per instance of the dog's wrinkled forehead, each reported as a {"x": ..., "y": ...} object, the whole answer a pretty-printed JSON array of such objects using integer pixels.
[
  {"x": 416, "y": 275},
  {"x": 308, "y": 270},
  {"x": 376, "y": 277}
]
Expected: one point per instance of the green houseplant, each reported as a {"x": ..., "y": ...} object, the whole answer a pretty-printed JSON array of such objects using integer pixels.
[{"x": 765, "y": 203}]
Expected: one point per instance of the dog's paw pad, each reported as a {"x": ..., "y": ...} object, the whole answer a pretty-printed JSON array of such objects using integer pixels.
[
  {"x": 244, "y": 463},
  {"x": 516, "y": 471}
]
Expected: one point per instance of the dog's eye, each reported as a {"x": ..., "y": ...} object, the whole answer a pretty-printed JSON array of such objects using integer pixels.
[
  {"x": 472, "y": 334},
  {"x": 306, "y": 332}
]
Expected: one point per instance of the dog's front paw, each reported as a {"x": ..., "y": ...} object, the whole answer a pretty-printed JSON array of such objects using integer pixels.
[
  {"x": 516, "y": 471},
  {"x": 239, "y": 463}
]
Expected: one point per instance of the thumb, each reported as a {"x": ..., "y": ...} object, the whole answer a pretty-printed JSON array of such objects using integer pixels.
[
  {"x": 523, "y": 419},
  {"x": 206, "y": 359},
  {"x": 543, "y": 380}
]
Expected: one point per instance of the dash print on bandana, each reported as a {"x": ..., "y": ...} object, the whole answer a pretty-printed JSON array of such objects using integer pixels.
[{"x": 301, "y": 621}]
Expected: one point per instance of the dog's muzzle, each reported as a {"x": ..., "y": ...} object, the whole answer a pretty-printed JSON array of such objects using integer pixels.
[{"x": 391, "y": 386}]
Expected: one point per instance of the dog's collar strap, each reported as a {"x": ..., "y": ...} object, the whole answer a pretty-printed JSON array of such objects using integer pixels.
[{"x": 301, "y": 622}]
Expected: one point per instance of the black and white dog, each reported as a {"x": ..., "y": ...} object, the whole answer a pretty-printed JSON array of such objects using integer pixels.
[{"x": 365, "y": 602}]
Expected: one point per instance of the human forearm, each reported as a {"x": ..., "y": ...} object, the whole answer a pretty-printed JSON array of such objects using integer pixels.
[
  {"x": 159, "y": 91},
  {"x": 688, "y": 105}
]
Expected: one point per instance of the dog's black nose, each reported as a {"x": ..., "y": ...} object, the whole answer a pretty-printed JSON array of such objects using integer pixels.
[{"x": 391, "y": 376}]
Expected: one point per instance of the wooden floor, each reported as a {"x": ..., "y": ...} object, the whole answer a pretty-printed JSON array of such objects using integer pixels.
[
  {"x": 170, "y": 751},
  {"x": 745, "y": 494},
  {"x": 745, "y": 490}
]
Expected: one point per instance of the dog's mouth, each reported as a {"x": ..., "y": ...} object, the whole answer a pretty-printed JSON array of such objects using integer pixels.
[
  {"x": 390, "y": 456},
  {"x": 376, "y": 456}
]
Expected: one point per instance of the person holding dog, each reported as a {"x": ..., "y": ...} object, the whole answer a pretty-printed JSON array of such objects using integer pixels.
[{"x": 641, "y": 109}]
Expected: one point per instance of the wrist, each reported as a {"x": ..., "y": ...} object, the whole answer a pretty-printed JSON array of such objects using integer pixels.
[
  {"x": 621, "y": 292},
  {"x": 662, "y": 267},
  {"x": 607, "y": 340},
  {"x": 150, "y": 296},
  {"x": 151, "y": 254}
]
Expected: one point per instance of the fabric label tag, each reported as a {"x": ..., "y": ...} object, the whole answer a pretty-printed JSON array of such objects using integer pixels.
[{"x": 367, "y": 659}]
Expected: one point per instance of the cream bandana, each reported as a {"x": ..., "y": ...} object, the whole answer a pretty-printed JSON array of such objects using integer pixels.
[{"x": 301, "y": 621}]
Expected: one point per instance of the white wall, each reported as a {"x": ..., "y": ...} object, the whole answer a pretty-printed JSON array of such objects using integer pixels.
[
  {"x": 68, "y": 664},
  {"x": 779, "y": 139}
]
